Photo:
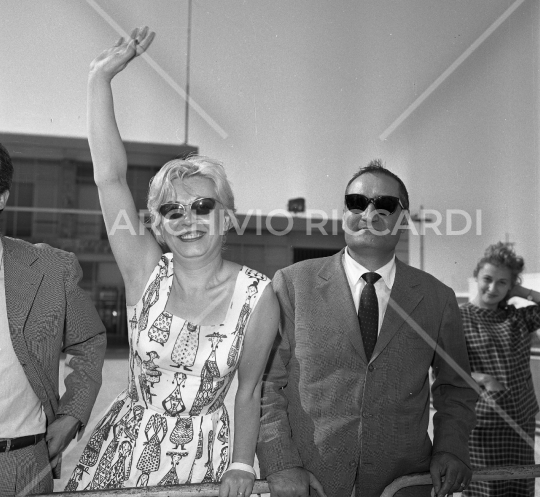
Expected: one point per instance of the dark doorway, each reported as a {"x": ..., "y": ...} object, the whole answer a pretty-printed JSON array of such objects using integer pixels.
[{"x": 301, "y": 253}]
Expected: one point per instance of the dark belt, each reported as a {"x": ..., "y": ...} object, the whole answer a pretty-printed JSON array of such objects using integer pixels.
[{"x": 20, "y": 442}]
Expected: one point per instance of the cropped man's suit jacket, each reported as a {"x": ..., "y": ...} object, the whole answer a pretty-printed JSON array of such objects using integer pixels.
[{"x": 325, "y": 407}]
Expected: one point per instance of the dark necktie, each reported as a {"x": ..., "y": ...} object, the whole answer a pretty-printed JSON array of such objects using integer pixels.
[{"x": 368, "y": 313}]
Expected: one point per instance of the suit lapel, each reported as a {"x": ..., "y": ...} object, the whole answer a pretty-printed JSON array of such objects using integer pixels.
[
  {"x": 405, "y": 296},
  {"x": 21, "y": 282},
  {"x": 335, "y": 290}
]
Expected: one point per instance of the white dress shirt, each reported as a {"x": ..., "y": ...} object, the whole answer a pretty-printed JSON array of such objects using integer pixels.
[
  {"x": 383, "y": 286},
  {"x": 21, "y": 412}
]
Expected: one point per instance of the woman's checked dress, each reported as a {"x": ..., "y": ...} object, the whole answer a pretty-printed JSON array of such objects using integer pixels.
[
  {"x": 499, "y": 344},
  {"x": 171, "y": 426}
]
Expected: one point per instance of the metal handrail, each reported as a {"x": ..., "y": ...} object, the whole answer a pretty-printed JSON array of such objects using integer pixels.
[
  {"x": 483, "y": 474},
  {"x": 186, "y": 490},
  {"x": 261, "y": 486}
]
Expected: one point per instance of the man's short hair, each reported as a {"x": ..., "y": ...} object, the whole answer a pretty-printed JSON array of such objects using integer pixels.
[
  {"x": 376, "y": 167},
  {"x": 6, "y": 170}
]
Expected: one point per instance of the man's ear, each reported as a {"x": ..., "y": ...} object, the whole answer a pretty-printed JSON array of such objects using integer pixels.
[{"x": 3, "y": 199}]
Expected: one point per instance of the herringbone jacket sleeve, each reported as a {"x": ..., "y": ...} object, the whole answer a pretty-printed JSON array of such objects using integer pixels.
[
  {"x": 84, "y": 343},
  {"x": 454, "y": 395},
  {"x": 276, "y": 449}
]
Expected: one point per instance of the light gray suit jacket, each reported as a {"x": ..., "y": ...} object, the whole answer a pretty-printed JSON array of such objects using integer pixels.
[
  {"x": 49, "y": 313},
  {"x": 328, "y": 409}
]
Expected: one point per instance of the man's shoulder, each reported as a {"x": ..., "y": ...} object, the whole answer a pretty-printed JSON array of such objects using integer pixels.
[
  {"x": 42, "y": 251},
  {"x": 307, "y": 268},
  {"x": 421, "y": 277}
]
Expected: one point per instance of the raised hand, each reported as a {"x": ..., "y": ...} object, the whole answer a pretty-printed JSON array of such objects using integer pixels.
[
  {"x": 135, "y": 255},
  {"x": 113, "y": 60}
]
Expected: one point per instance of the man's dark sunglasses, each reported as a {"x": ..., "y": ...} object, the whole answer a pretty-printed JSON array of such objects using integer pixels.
[
  {"x": 385, "y": 204},
  {"x": 176, "y": 210}
]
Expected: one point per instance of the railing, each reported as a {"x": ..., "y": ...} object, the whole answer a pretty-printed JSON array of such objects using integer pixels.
[
  {"x": 483, "y": 474},
  {"x": 191, "y": 490},
  {"x": 261, "y": 486}
]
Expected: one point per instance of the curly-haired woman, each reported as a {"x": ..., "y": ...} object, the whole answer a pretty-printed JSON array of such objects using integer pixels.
[{"x": 498, "y": 339}]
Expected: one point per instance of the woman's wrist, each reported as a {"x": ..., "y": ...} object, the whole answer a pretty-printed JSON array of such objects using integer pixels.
[
  {"x": 525, "y": 293},
  {"x": 528, "y": 294},
  {"x": 98, "y": 77},
  {"x": 242, "y": 467}
]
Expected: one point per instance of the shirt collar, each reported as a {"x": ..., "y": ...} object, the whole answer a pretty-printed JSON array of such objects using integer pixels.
[{"x": 356, "y": 270}]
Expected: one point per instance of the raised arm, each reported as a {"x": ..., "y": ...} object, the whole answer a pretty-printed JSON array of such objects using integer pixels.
[
  {"x": 531, "y": 313},
  {"x": 135, "y": 249}
]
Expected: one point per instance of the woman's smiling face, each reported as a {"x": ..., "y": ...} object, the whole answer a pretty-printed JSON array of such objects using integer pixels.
[
  {"x": 193, "y": 235},
  {"x": 493, "y": 283}
]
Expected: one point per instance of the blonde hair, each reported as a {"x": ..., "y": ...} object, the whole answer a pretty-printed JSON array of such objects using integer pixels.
[{"x": 161, "y": 187}]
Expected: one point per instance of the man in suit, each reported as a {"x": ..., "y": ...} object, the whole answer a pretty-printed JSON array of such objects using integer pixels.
[
  {"x": 42, "y": 312},
  {"x": 345, "y": 406}
]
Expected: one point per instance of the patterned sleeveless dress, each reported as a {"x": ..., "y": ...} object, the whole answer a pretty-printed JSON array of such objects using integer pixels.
[{"x": 171, "y": 425}]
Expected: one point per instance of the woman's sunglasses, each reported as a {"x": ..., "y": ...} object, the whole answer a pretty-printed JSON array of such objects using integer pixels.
[
  {"x": 176, "y": 210},
  {"x": 384, "y": 204}
]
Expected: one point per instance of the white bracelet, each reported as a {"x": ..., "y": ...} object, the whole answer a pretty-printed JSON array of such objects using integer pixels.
[{"x": 241, "y": 466}]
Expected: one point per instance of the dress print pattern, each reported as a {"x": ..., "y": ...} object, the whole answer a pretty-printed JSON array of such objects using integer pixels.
[
  {"x": 182, "y": 432},
  {"x": 150, "y": 459},
  {"x": 171, "y": 478},
  {"x": 186, "y": 346},
  {"x": 210, "y": 372},
  {"x": 120, "y": 467},
  {"x": 161, "y": 329},
  {"x": 151, "y": 295},
  {"x": 173, "y": 404},
  {"x": 91, "y": 452},
  {"x": 132, "y": 386},
  {"x": 251, "y": 293},
  {"x": 103, "y": 472},
  {"x": 73, "y": 483},
  {"x": 171, "y": 425},
  {"x": 223, "y": 463}
]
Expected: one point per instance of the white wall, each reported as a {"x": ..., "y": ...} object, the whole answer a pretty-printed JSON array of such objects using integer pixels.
[
  {"x": 474, "y": 145},
  {"x": 303, "y": 90}
]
